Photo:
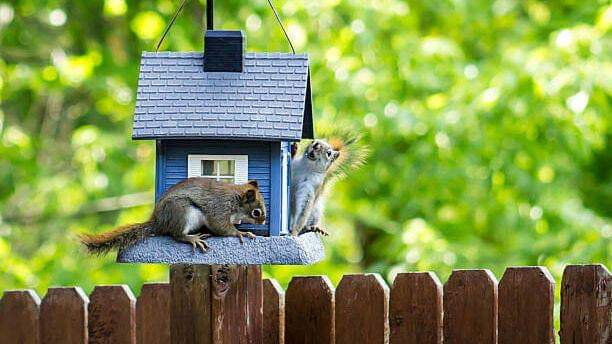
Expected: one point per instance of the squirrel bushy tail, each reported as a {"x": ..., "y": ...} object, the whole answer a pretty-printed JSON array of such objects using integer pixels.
[
  {"x": 116, "y": 239},
  {"x": 353, "y": 152}
]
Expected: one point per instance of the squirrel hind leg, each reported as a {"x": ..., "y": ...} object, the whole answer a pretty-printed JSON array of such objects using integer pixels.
[{"x": 196, "y": 240}]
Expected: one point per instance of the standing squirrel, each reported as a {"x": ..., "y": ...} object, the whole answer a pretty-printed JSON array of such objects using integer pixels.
[
  {"x": 182, "y": 212},
  {"x": 322, "y": 163}
]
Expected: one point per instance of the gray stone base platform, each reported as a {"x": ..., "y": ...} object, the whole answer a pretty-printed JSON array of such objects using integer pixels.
[{"x": 287, "y": 250}]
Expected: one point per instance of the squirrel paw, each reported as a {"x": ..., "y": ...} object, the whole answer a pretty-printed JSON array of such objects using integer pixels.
[
  {"x": 242, "y": 234},
  {"x": 294, "y": 149},
  {"x": 196, "y": 240},
  {"x": 316, "y": 229}
]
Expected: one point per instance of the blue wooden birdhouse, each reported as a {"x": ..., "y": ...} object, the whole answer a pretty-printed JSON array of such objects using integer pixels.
[{"x": 226, "y": 114}]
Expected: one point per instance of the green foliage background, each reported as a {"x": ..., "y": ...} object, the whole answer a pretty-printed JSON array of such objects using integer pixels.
[{"x": 489, "y": 124}]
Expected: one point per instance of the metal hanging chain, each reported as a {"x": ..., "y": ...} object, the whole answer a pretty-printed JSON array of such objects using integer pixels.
[
  {"x": 281, "y": 25},
  {"x": 169, "y": 26}
]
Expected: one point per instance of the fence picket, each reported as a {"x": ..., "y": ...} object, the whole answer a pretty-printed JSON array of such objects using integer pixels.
[
  {"x": 190, "y": 303},
  {"x": 273, "y": 312},
  {"x": 586, "y": 305},
  {"x": 237, "y": 318},
  {"x": 254, "y": 288},
  {"x": 112, "y": 315},
  {"x": 309, "y": 307},
  {"x": 470, "y": 307},
  {"x": 362, "y": 308},
  {"x": 415, "y": 309},
  {"x": 63, "y": 316},
  {"x": 526, "y": 301},
  {"x": 19, "y": 317},
  {"x": 153, "y": 314}
]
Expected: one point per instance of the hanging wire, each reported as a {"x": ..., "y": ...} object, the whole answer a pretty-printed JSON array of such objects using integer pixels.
[
  {"x": 184, "y": 2},
  {"x": 169, "y": 26},
  {"x": 281, "y": 25}
]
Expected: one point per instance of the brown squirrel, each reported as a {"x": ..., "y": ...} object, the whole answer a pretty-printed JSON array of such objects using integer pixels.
[{"x": 182, "y": 212}]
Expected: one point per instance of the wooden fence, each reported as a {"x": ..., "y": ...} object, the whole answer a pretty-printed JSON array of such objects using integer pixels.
[{"x": 470, "y": 308}]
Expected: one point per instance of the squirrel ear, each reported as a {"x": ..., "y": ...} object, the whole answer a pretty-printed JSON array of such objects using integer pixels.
[
  {"x": 336, "y": 154},
  {"x": 249, "y": 196},
  {"x": 254, "y": 183}
]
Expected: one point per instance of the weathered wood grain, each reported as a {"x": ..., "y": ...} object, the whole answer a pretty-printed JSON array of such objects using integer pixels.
[
  {"x": 19, "y": 317},
  {"x": 470, "y": 307},
  {"x": 526, "y": 301},
  {"x": 237, "y": 304},
  {"x": 362, "y": 310},
  {"x": 254, "y": 295},
  {"x": 309, "y": 311},
  {"x": 586, "y": 305},
  {"x": 273, "y": 312},
  {"x": 153, "y": 314},
  {"x": 415, "y": 309},
  {"x": 63, "y": 316},
  {"x": 190, "y": 304},
  {"x": 112, "y": 315}
]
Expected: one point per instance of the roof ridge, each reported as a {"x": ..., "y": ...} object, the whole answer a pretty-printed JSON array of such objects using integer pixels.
[{"x": 247, "y": 55}]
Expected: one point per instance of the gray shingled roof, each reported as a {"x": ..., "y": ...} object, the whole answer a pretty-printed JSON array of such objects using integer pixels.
[{"x": 269, "y": 100}]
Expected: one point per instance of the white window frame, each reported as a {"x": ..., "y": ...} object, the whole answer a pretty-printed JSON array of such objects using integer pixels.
[{"x": 241, "y": 165}]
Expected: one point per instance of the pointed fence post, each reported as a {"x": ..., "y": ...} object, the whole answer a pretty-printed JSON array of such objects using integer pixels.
[
  {"x": 309, "y": 310},
  {"x": 273, "y": 312},
  {"x": 526, "y": 301},
  {"x": 470, "y": 307},
  {"x": 19, "y": 317},
  {"x": 153, "y": 314},
  {"x": 415, "y": 310},
  {"x": 216, "y": 304},
  {"x": 362, "y": 309},
  {"x": 586, "y": 305},
  {"x": 63, "y": 316},
  {"x": 112, "y": 315}
]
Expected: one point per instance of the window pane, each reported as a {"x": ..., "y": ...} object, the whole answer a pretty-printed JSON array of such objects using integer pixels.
[
  {"x": 226, "y": 167},
  {"x": 207, "y": 167}
]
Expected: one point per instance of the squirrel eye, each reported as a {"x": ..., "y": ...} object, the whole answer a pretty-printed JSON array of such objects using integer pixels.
[
  {"x": 256, "y": 213},
  {"x": 329, "y": 153}
]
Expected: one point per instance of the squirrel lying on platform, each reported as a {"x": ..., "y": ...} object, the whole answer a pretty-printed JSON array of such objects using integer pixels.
[
  {"x": 322, "y": 163},
  {"x": 184, "y": 210}
]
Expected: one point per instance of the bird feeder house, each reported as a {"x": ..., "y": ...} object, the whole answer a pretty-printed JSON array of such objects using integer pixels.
[{"x": 229, "y": 115}]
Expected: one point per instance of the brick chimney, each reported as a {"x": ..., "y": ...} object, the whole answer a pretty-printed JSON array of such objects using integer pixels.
[{"x": 223, "y": 51}]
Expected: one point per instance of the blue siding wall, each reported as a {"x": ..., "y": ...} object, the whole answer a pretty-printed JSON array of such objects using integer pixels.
[{"x": 172, "y": 168}]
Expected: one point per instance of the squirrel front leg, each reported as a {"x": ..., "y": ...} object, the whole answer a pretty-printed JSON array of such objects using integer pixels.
[{"x": 226, "y": 228}]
